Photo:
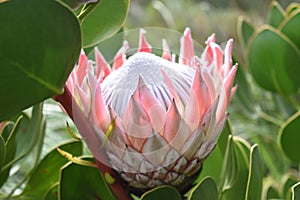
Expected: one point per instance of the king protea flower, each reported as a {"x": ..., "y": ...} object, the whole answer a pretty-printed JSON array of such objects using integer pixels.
[{"x": 152, "y": 119}]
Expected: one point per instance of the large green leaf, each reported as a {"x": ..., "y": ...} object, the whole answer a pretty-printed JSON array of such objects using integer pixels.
[
  {"x": 162, "y": 192},
  {"x": 47, "y": 172},
  {"x": 289, "y": 137},
  {"x": 106, "y": 19},
  {"x": 254, "y": 184},
  {"x": 274, "y": 61},
  {"x": 276, "y": 14},
  {"x": 83, "y": 182},
  {"x": 205, "y": 190},
  {"x": 40, "y": 43},
  {"x": 291, "y": 27}
]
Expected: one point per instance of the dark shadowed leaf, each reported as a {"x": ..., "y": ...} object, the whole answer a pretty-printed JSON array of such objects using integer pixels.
[
  {"x": 37, "y": 53},
  {"x": 205, "y": 190},
  {"x": 162, "y": 192}
]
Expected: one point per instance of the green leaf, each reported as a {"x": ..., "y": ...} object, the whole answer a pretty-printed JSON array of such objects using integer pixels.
[
  {"x": 37, "y": 55},
  {"x": 272, "y": 193},
  {"x": 254, "y": 185},
  {"x": 2, "y": 152},
  {"x": 244, "y": 30},
  {"x": 289, "y": 137},
  {"x": 162, "y": 192},
  {"x": 230, "y": 166},
  {"x": 244, "y": 94},
  {"x": 291, "y": 27},
  {"x": 83, "y": 182},
  {"x": 52, "y": 193},
  {"x": 10, "y": 149},
  {"x": 286, "y": 188},
  {"x": 238, "y": 189},
  {"x": 276, "y": 14},
  {"x": 274, "y": 61},
  {"x": 205, "y": 190},
  {"x": 48, "y": 170},
  {"x": 106, "y": 19},
  {"x": 296, "y": 191}
]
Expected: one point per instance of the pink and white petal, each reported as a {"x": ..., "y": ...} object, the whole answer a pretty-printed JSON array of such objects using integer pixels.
[
  {"x": 153, "y": 108},
  {"x": 172, "y": 123},
  {"x": 227, "y": 58},
  {"x": 120, "y": 57},
  {"x": 186, "y": 56},
  {"x": 102, "y": 67},
  {"x": 166, "y": 50},
  {"x": 144, "y": 46},
  {"x": 82, "y": 67}
]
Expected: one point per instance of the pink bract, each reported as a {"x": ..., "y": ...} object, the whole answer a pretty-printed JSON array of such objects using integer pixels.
[{"x": 155, "y": 119}]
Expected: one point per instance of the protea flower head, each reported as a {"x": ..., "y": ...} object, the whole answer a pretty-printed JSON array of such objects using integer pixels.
[{"x": 155, "y": 119}]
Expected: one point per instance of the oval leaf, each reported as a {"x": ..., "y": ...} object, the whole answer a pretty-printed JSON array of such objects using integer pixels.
[
  {"x": 205, "y": 190},
  {"x": 296, "y": 191},
  {"x": 162, "y": 192},
  {"x": 37, "y": 53},
  {"x": 274, "y": 61},
  {"x": 105, "y": 20},
  {"x": 2, "y": 152},
  {"x": 289, "y": 138},
  {"x": 276, "y": 14},
  {"x": 291, "y": 27}
]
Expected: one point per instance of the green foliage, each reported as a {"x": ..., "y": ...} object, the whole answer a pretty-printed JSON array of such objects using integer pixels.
[
  {"x": 101, "y": 23},
  {"x": 37, "y": 53},
  {"x": 162, "y": 192},
  {"x": 83, "y": 182},
  {"x": 289, "y": 137}
]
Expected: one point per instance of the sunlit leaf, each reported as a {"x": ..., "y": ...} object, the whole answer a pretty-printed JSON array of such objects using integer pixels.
[
  {"x": 292, "y": 7},
  {"x": 289, "y": 137},
  {"x": 52, "y": 193},
  {"x": 274, "y": 61},
  {"x": 37, "y": 53}
]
